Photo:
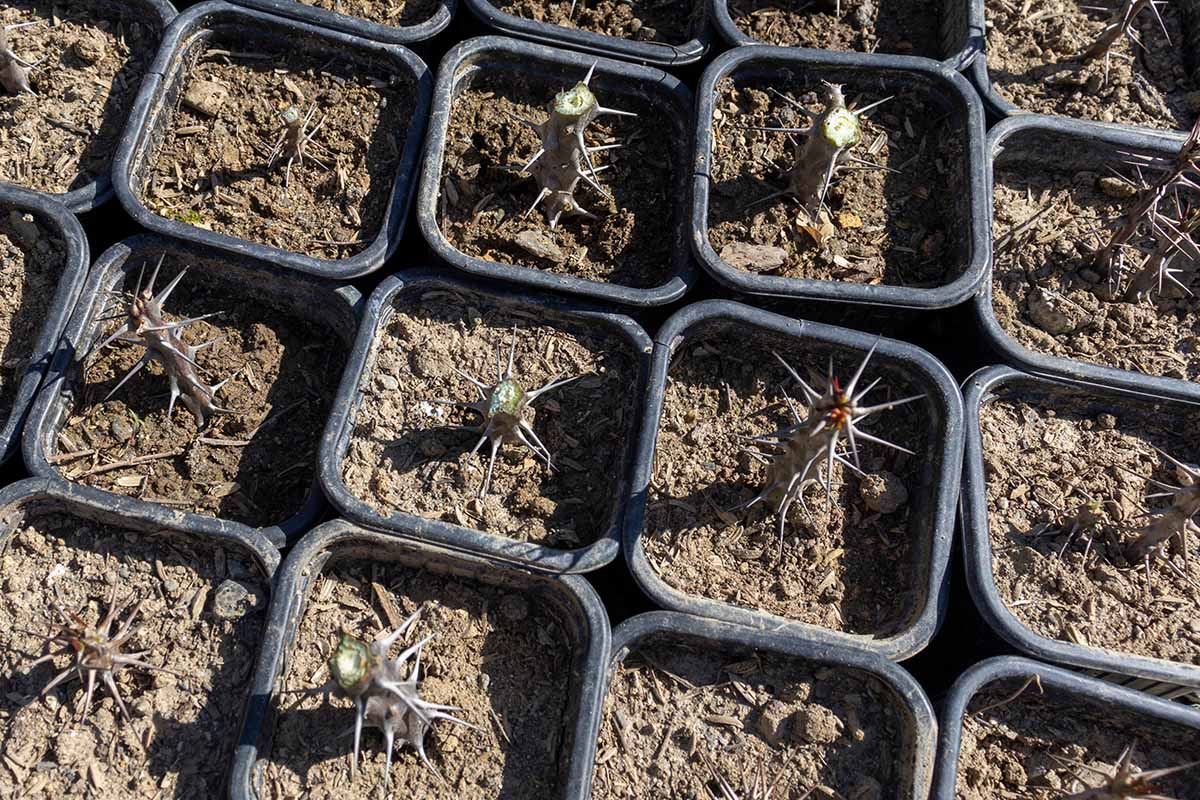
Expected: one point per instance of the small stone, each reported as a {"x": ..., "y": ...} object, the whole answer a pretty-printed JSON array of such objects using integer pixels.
[
  {"x": 74, "y": 746},
  {"x": 514, "y": 608},
  {"x": 233, "y": 600},
  {"x": 848, "y": 220},
  {"x": 1115, "y": 187},
  {"x": 89, "y": 48},
  {"x": 25, "y": 227},
  {"x": 1106, "y": 422},
  {"x": 121, "y": 429},
  {"x": 816, "y": 724},
  {"x": 773, "y": 720},
  {"x": 387, "y": 383},
  {"x": 205, "y": 97},
  {"x": 540, "y": 245},
  {"x": 883, "y": 492},
  {"x": 171, "y": 586},
  {"x": 646, "y": 33},
  {"x": 754, "y": 257},
  {"x": 1052, "y": 314}
]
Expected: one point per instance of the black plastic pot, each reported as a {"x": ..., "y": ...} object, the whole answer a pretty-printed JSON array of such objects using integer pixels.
[
  {"x": 960, "y": 38},
  {"x": 659, "y": 54},
  {"x": 614, "y": 79},
  {"x": 407, "y": 288},
  {"x": 334, "y": 308},
  {"x": 981, "y": 388},
  {"x": 187, "y": 37},
  {"x": 65, "y": 226},
  {"x": 1052, "y": 678},
  {"x": 932, "y": 518},
  {"x": 945, "y": 87},
  {"x": 100, "y": 189},
  {"x": 579, "y": 609},
  {"x": 659, "y": 626},
  {"x": 1093, "y": 144},
  {"x": 356, "y": 26}
]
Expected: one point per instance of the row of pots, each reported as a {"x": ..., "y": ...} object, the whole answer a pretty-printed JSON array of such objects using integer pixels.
[{"x": 923, "y": 754}]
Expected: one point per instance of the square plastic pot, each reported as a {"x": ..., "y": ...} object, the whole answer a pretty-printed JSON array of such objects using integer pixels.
[
  {"x": 578, "y": 608},
  {"x": 1093, "y": 143},
  {"x": 406, "y": 288},
  {"x": 721, "y": 637},
  {"x": 960, "y": 38},
  {"x": 357, "y": 26},
  {"x": 978, "y": 677},
  {"x": 66, "y": 227},
  {"x": 980, "y": 389},
  {"x": 658, "y": 54},
  {"x": 99, "y": 190},
  {"x": 612, "y": 79},
  {"x": 187, "y": 37},
  {"x": 331, "y": 307},
  {"x": 943, "y": 86},
  {"x": 932, "y": 518}
]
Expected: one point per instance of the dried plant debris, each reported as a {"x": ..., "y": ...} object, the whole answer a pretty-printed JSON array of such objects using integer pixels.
[
  {"x": 1125, "y": 782},
  {"x": 502, "y": 409},
  {"x": 564, "y": 158},
  {"x": 833, "y": 417},
  {"x": 14, "y": 71},
  {"x": 753, "y": 785},
  {"x": 147, "y": 326},
  {"x": 384, "y": 696},
  {"x": 96, "y": 650}
]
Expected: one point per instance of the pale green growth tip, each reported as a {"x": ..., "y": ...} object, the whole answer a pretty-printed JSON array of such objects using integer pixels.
[
  {"x": 506, "y": 398},
  {"x": 291, "y": 115},
  {"x": 841, "y": 128},
  {"x": 350, "y": 662},
  {"x": 574, "y": 102}
]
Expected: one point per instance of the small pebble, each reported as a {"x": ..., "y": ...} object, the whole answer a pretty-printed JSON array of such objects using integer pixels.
[
  {"x": 121, "y": 429},
  {"x": 388, "y": 383},
  {"x": 883, "y": 492},
  {"x": 232, "y": 600},
  {"x": 89, "y": 48}
]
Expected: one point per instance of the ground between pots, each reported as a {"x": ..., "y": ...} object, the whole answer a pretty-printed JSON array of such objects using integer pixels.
[
  {"x": 903, "y": 27},
  {"x": 1052, "y": 743},
  {"x": 394, "y": 13},
  {"x": 1034, "y": 60},
  {"x": 482, "y": 208},
  {"x": 32, "y": 259},
  {"x": 214, "y": 167},
  {"x": 406, "y": 455},
  {"x": 844, "y": 566},
  {"x": 201, "y": 616},
  {"x": 1052, "y": 214},
  {"x": 905, "y": 225},
  {"x": 1045, "y": 456},
  {"x": 639, "y": 20},
  {"x": 255, "y": 465},
  {"x": 92, "y": 56},
  {"x": 680, "y": 717},
  {"x": 500, "y": 655}
]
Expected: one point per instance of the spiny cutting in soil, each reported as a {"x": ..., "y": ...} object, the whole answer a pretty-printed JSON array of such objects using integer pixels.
[
  {"x": 904, "y": 27},
  {"x": 60, "y": 121},
  {"x": 890, "y": 217},
  {"x": 852, "y": 564},
  {"x": 640, "y": 20},
  {"x": 685, "y": 718},
  {"x": 218, "y": 165},
  {"x": 1059, "y": 745},
  {"x": 502, "y": 408},
  {"x": 1083, "y": 503},
  {"x": 564, "y": 158},
  {"x": 1123, "y": 61}
]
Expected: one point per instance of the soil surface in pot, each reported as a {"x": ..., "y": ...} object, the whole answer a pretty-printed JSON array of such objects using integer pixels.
[
  {"x": 213, "y": 169},
  {"x": 255, "y": 465},
  {"x": 405, "y": 454},
  {"x": 668, "y": 22},
  {"x": 482, "y": 205},
  {"x": 91, "y": 56},
  {"x": 32, "y": 259},
  {"x": 1035, "y": 62},
  {"x": 394, "y": 13},
  {"x": 844, "y": 566},
  {"x": 500, "y": 656},
  {"x": 679, "y": 717},
  {"x": 903, "y": 227},
  {"x": 202, "y": 613},
  {"x": 1053, "y": 743},
  {"x": 1048, "y": 225},
  {"x": 905, "y": 27},
  {"x": 1045, "y": 457}
]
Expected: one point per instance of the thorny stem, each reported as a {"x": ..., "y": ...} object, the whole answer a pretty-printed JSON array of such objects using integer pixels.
[
  {"x": 1121, "y": 26},
  {"x": 293, "y": 141},
  {"x": 1167, "y": 531},
  {"x": 1125, "y": 782},
  {"x": 147, "y": 326},
  {"x": 564, "y": 159},
  {"x": 14, "y": 71}
]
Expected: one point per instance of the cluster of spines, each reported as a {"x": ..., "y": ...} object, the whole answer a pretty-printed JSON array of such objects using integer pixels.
[
  {"x": 1125, "y": 782},
  {"x": 1120, "y": 26},
  {"x": 14, "y": 71},
  {"x": 293, "y": 141}
]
